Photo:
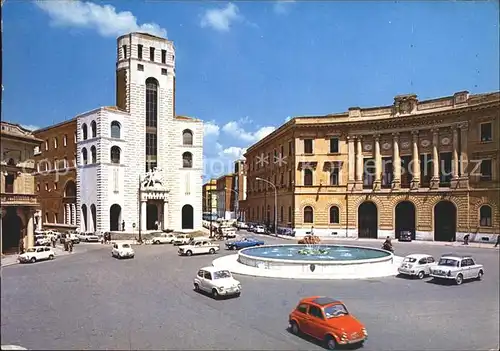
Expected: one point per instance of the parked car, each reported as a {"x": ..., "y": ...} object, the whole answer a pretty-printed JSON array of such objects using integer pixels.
[
  {"x": 122, "y": 250},
  {"x": 245, "y": 242},
  {"x": 241, "y": 225},
  {"x": 418, "y": 265},
  {"x": 199, "y": 246},
  {"x": 260, "y": 229},
  {"x": 73, "y": 237},
  {"x": 89, "y": 238},
  {"x": 327, "y": 320},
  {"x": 34, "y": 254},
  {"x": 42, "y": 240},
  {"x": 163, "y": 238},
  {"x": 182, "y": 239},
  {"x": 217, "y": 282},
  {"x": 457, "y": 268}
]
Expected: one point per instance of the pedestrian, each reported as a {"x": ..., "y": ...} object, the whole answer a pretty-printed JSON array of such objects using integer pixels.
[
  {"x": 156, "y": 225},
  {"x": 466, "y": 239},
  {"x": 123, "y": 225},
  {"x": 21, "y": 246},
  {"x": 498, "y": 241},
  {"x": 53, "y": 240},
  {"x": 70, "y": 245}
]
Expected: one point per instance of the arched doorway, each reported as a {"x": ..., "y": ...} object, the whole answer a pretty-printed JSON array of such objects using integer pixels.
[
  {"x": 12, "y": 226},
  {"x": 93, "y": 213},
  {"x": 84, "y": 217},
  {"x": 151, "y": 216},
  {"x": 187, "y": 217},
  {"x": 367, "y": 220},
  {"x": 445, "y": 221},
  {"x": 404, "y": 214},
  {"x": 115, "y": 213},
  {"x": 70, "y": 189}
]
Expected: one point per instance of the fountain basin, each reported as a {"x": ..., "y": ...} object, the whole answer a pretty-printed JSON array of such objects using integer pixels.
[{"x": 317, "y": 262}]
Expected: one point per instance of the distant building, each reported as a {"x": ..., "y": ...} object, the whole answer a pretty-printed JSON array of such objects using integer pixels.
[
  {"x": 209, "y": 192},
  {"x": 18, "y": 200},
  {"x": 428, "y": 167},
  {"x": 240, "y": 187},
  {"x": 226, "y": 197},
  {"x": 56, "y": 176}
]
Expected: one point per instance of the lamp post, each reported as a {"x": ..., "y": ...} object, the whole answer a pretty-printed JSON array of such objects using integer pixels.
[
  {"x": 236, "y": 207},
  {"x": 275, "y": 203},
  {"x": 210, "y": 206},
  {"x": 140, "y": 210}
]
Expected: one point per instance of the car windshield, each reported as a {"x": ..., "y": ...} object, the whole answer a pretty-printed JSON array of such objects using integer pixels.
[
  {"x": 126, "y": 246},
  {"x": 249, "y": 239},
  {"x": 336, "y": 310},
  {"x": 410, "y": 259},
  {"x": 448, "y": 262},
  {"x": 31, "y": 250},
  {"x": 222, "y": 274}
]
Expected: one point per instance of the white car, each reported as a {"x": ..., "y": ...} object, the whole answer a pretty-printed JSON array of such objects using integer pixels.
[
  {"x": 259, "y": 229},
  {"x": 122, "y": 250},
  {"x": 199, "y": 246},
  {"x": 34, "y": 254},
  {"x": 163, "y": 239},
  {"x": 42, "y": 240},
  {"x": 418, "y": 265},
  {"x": 457, "y": 268},
  {"x": 89, "y": 237},
  {"x": 217, "y": 282},
  {"x": 182, "y": 239}
]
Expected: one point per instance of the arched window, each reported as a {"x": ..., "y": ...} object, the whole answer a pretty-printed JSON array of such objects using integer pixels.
[
  {"x": 55, "y": 143},
  {"x": 115, "y": 154},
  {"x": 84, "y": 156},
  {"x": 115, "y": 129},
  {"x": 187, "y": 137},
  {"x": 93, "y": 128},
  {"x": 93, "y": 154},
  {"x": 151, "y": 102},
  {"x": 187, "y": 160},
  {"x": 308, "y": 214},
  {"x": 334, "y": 215},
  {"x": 84, "y": 131},
  {"x": 485, "y": 216},
  {"x": 308, "y": 177}
]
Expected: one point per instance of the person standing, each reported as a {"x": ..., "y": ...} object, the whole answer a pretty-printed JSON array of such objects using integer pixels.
[
  {"x": 123, "y": 225},
  {"x": 53, "y": 240}
]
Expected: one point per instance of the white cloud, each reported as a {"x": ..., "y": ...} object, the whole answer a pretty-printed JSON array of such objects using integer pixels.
[
  {"x": 234, "y": 152},
  {"x": 282, "y": 7},
  {"x": 235, "y": 129},
  {"x": 30, "y": 127},
  {"x": 210, "y": 128},
  {"x": 103, "y": 18},
  {"x": 220, "y": 19}
]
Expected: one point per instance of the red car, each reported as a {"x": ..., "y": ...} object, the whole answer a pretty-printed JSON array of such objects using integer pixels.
[{"x": 327, "y": 320}]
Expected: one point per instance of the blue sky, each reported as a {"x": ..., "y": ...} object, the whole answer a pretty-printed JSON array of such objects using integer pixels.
[{"x": 244, "y": 67}]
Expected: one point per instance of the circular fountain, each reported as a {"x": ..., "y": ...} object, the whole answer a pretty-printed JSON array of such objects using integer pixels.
[{"x": 319, "y": 261}]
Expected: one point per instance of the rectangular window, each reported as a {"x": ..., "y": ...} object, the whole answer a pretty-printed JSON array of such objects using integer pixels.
[
  {"x": 46, "y": 145},
  {"x": 289, "y": 214},
  {"x": 334, "y": 174},
  {"x": 55, "y": 185},
  {"x": 486, "y": 173},
  {"x": 406, "y": 172},
  {"x": 124, "y": 51},
  {"x": 387, "y": 172},
  {"x": 139, "y": 52},
  {"x": 115, "y": 180},
  {"x": 282, "y": 151},
  {"x": 334, "y": 145},
  {"x": 55, "y": 218},
  {"x": 164, "y": 71},
  {"x": 368, "y": 173},
  {"x": 308, "y": 146},
  {"x": 425, "y": 169},
  {"x": 9, "y": 183},
  {"x": 140, "y": 67},
  {"x": 486, "y": 132},
  {"x": 152, "y": 54},
  {"x": 289, "y": 148},
  {"x": 65, "y": 140},
  {"x": 445, "y": 168},
  {"x": 164, "y": 56},
  {"x": 187, "y": 181},
  {"x": 151, "y": 144}
]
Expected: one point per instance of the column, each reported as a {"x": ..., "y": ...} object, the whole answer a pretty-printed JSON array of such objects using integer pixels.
[
  {"x": 464, "y": 129},
  {"x": 65, "y": 215},
  {"x": 30, "y": 231},
  {"x": 435, "y": 159},
  {"x": 415, "y": 162},
  {"x": 359, "y": 161},
  {"x": 73, "y": 214},
  {"x": 143, "y": 215},
  {"x": 378, "y": 163},
  {"x": 455, "y": 169},
  {"x": 352, "y": 163},
  {"x": 165, "y": 215},
  {"x": 396, "y": 161}
]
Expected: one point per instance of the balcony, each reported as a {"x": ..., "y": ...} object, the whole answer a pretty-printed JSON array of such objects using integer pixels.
[{"x": 18, "y": 200}]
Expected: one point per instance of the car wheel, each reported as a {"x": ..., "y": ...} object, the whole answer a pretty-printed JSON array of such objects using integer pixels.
[
  {"x": 330, "y": 342},
  {"x": 132, "y": 256},
  {"x": 215, "y": 294},
  {"x": 238, "y": 294},
  {"x": 33, "y": 259},
  {"x": 294, "y": 327},
  {"x": 157, "y": 242},
  {"x": 51, "y": 257},
  {"x": 212, "y": 251},
  {"x": 480, "y": 275},
  {"x": 196, "y": 287},
  {"x": 421, "y": 275},
  {"x": 459, "y": 279},
  {"x": 189, "y": 253}
]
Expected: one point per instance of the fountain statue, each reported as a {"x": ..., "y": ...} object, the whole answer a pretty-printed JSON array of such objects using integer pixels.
[{"x": 312, "y": 243}]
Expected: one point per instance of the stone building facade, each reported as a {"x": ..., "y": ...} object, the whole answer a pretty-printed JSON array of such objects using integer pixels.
[
  {"x": 429, "y": 167},
  {"x": 55, "y": 176},
  {"x": 140, "y": 165},
  {"x": 18, "y": 201},
  {"x": 226, "y": 197}
]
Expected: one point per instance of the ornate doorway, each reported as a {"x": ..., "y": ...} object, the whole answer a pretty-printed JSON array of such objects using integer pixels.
[
  {"x": 152, "y": 218},
  {"x": 405, "y": 218},
  {"x": 187, "y": 217},
  {"x": 12, "y": 226},
  {"x": 115, "y": 214},
  {"x": 368, "y": 220},
  {"x": 445, "y": 221}
]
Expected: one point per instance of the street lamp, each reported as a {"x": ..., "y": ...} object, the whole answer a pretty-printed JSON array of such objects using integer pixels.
[
  {"x": 140, "y": 210},
  {"x": 236, "y": 207},
  {"x": 275, "y": 203}
]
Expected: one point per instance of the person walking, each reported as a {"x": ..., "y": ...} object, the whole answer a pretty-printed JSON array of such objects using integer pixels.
[
  {"x": 466, "y": 239},
  {"x": 53, "y": 240},
  {"x": 498, "y": 241}
]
